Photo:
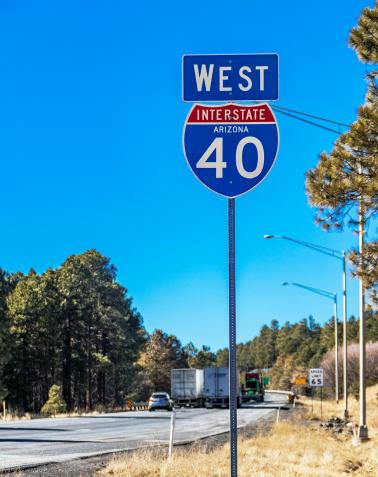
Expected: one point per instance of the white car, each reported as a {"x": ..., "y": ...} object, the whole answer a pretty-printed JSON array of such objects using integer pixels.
[{"x": 160, "y": 401}]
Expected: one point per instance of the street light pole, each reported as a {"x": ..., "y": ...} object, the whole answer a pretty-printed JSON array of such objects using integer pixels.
[
  {"x": 332, "y": 296},
  {"x": 363, "y": 430},
  {"x": 336, "y": 351},
  {"x": 345, "y": 340},
  {"x": 341, "y": 256}
]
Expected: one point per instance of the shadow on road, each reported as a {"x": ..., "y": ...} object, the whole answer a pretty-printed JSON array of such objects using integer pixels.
[
  {"x": 149, "y": 416},
  {"x": 28, "y": 429},
  {"x": 283, "y": 407},
  {"x": 50, "y": 441}
]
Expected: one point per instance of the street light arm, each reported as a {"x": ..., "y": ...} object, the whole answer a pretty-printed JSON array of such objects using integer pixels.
[
  {"x": 324, "y": 293},
  {"x": 319, "y": 248}
]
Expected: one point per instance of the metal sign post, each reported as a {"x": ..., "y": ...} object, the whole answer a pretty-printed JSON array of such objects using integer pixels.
[
  {"x": 231, "y": 148},
  {"x": 173, "y": 420},
  {"x": 321, "y": 403},
  {"x": 232, "y": 338}
]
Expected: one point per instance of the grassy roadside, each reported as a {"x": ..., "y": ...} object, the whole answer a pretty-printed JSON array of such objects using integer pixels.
[
  {"x": 330, "y": 408},
  {"x": 29, "y": 416},
  {"x": 297, "y": 448}
]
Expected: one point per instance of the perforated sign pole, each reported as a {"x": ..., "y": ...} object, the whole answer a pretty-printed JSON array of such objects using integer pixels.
[
  {"x": 232, "y": 338},
  {"x": 231, "y": 148}
]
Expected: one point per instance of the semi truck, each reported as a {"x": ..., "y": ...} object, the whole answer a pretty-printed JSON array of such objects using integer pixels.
[
  {"x": 253, "y": 387},
  {"x": 187, "y": 387},
  {"x": 216, "y": 388}
]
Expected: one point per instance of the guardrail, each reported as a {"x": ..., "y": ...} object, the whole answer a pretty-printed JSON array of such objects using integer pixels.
[
  {"x": 290, "y": 395},
  {"x": 136, "y": 406}
]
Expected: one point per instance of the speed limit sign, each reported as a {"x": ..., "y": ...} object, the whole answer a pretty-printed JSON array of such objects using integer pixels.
[
  {"x": 316, "y": 377},
  {"x": 231, "y": 148}
]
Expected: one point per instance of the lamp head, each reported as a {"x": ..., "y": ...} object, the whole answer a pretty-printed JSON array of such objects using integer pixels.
[
  {"x": 284, "y": 283},
  {"x": 268, "y": 236}
]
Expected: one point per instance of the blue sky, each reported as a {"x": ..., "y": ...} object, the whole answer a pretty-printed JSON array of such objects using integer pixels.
[{"x": 91, "y": 121}]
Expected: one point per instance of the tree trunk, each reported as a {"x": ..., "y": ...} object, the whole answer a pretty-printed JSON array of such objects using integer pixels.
[
  {"x": 89, "y": 397},
  {"x": 67, "y": 364}
]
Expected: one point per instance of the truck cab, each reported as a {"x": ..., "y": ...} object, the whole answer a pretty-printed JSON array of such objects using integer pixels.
[{"x": 254, "y": 387}]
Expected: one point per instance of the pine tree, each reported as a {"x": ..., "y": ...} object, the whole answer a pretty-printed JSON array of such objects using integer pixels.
[
  {"x": 199, "y": 358},
  {"x": 55, "y": 404},
  {"x": 265, "y": 346},
  {"x": 363, "y": 38},
  {"x": 222, "y": 357},
  {"x": 346, "y": 180},
  {"x": 348, "y": 175},
  {"x": 74, "y": 326},
  {"x": 7, "y": 284},
  {"x": 26, "y": 308},
  {"x": 102, "y": 333}
]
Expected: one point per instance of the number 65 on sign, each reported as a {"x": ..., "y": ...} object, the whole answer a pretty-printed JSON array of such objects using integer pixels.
[{"x": 316, "y": 377}]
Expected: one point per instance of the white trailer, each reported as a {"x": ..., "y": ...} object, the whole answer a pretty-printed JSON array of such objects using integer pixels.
[
  {"x": 187, "y": 387},
  {"x": 216, "y": 387}
]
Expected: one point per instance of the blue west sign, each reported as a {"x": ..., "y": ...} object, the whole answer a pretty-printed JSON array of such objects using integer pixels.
[
  {"x": 231, "y": 148},
  {"x": 249, "y": 77}
]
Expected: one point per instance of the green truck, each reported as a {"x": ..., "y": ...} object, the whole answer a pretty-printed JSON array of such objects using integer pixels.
[{"x": 253, "y": 386}]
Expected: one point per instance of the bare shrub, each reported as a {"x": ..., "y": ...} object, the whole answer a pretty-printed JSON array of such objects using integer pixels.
[{"x": 328, "y": 364}]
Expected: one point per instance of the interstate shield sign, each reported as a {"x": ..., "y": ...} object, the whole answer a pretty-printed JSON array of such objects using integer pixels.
[{"x": 231, "y": 148}]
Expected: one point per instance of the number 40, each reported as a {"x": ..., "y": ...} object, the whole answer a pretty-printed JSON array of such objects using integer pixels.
[{"x": 219, "y": 164}]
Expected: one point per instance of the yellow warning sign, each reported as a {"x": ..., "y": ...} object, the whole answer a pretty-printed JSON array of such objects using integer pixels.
[
  {"x": 130, "y": 404},
  {"x": 300, "y": 381}
]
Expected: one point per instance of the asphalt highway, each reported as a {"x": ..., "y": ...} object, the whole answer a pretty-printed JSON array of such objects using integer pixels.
[{"x": 40, "y": 441}]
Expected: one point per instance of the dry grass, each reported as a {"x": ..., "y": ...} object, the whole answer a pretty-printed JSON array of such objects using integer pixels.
[
  {"x": 330, "y": 408},
  {"x": 291, "y": 449},
  {"x": 29, "y": 416}
]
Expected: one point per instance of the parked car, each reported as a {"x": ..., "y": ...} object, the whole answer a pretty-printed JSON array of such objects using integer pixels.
[{"x": 160, "y": 401}]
